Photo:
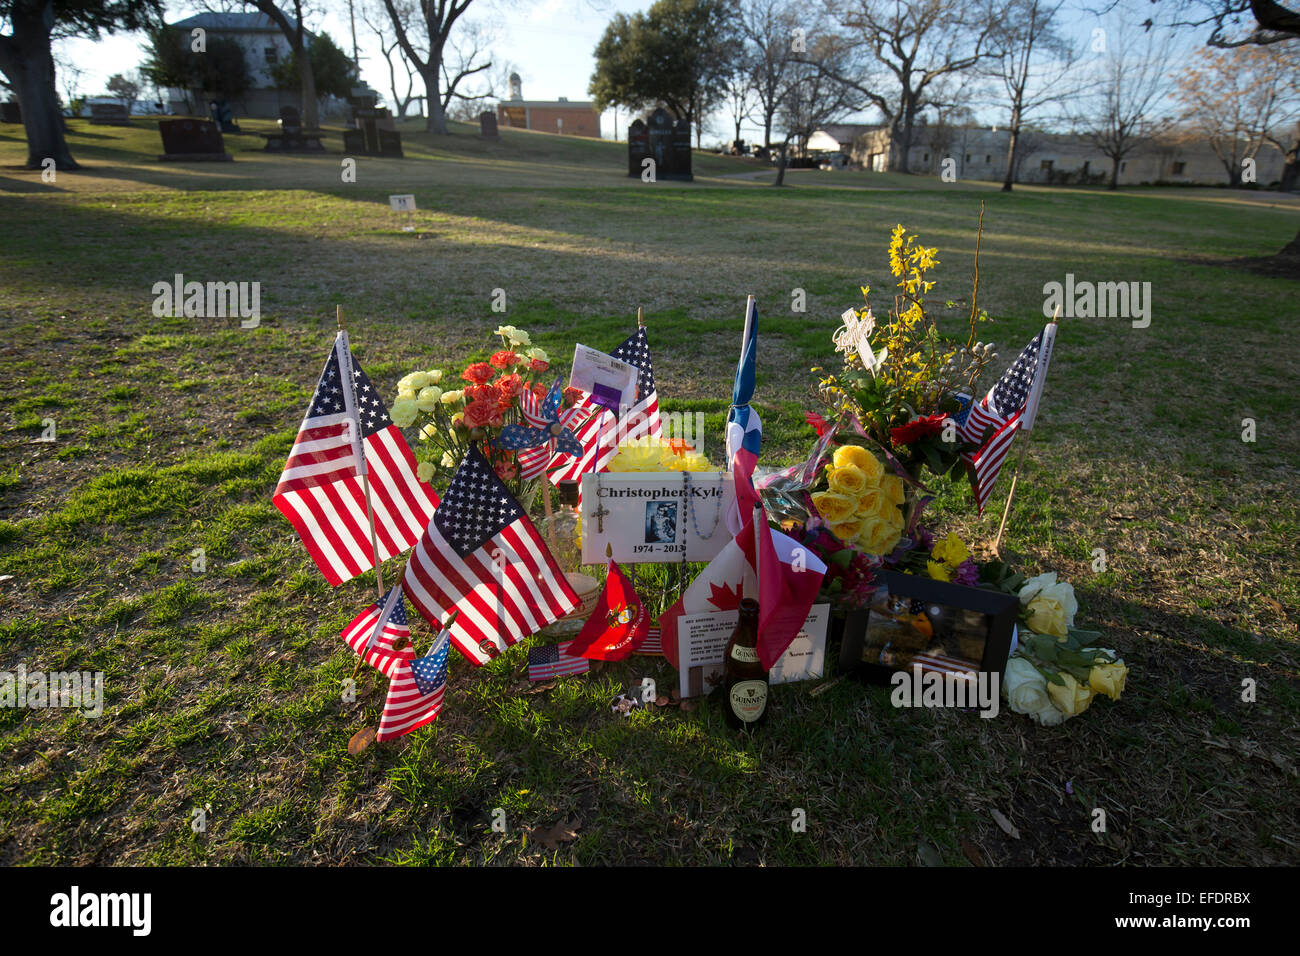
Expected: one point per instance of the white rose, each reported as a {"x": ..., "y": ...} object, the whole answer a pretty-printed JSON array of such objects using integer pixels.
[
  {"x": 447, "y": 460},
  {"x": 1024, "y": 687},
  {"x": 538, "y": 354},
  {"x": 1049, "y": 716},
  {"x": 435, "y": 375},
  {"x": 520, "y": 337},
  {"x": 428, "y": 398}
]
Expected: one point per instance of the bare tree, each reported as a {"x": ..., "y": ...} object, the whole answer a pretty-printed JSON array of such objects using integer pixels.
[
  {"x": 738, "y": 95},
  {"x": 1132, "y": 87},
  {"x": 1034, "y": 65},
  {"x": 423, "y": 29},
  {"x": 1235, "y": 97},
  {"x": 894, "y": 54},
  {"x": 769, "y": 30},
  {"x": 814, "y": 98},
  {"x": 469, "y": 43},
  {"x": 401, "y": 73}
]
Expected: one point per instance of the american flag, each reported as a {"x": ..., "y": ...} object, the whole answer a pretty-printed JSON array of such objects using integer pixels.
[
  {"x": 415, "y": 692},
  {"x": 320, "y": 489},
  {"x": 482, "y": 556},
  {"x": 374, "y": 644},
  {"x": 1001, "y": 409},
  {"x": 601, "y": 434},
  {"x": 554, "y": 660}
]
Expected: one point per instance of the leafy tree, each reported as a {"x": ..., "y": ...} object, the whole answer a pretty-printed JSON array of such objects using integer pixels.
[
  {"x": 125, "y": 87},
  {"x": 334, "y": 71},
  {"x": 294, "y": 31},
  {"x": 28, "y": 63},
  {"x": 678, "y": 53},
  {"x": 221, "y": 71}
]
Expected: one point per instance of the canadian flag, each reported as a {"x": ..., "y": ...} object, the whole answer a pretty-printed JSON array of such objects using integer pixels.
[{"x": 791, "y": 576}]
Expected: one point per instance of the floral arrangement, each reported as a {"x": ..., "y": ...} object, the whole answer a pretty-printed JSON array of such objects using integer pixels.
[
  {"x": 1057, "y": 670},
  {"x": 486, "y": 401},
  {"x": 861, "y": 503},
  {"x": 659, "y": 454}
]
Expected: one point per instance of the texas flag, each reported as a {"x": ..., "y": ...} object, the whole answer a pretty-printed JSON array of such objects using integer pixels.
[
  {"x": 785, "y": 585},
  {"x": 744, "y": 430}
]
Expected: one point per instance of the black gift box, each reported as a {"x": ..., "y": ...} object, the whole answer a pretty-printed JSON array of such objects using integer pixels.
[{"x": 999, "y": 610}]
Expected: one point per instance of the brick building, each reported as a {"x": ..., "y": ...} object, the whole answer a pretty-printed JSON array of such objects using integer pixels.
[{"x": 549, "y": 116}]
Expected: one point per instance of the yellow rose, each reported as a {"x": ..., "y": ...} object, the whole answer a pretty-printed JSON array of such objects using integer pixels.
[
  {"x": 405, "y": 394},
  {"x": 848, "y": 530},
  {"x": 834, "y": 507},
  {"x": 892, "y": 488},
  {"x": 951, "y": 551},
  {"x": 1070, "y": 698},
  {"x": 939, "y": 571},
  {"x": 447, "y": 460},
  {"x": 452, "y": 397},
  {"x": 877, "y": 537},
  {"x": 860, "y": 458},
  {"x": 1051, "y": 604},
  {"x": 848, "y": 480},
  {"x": 889, "y": 513},
  {"x": 435, "y": 375},
  {"x": 869, "y": 503},
  {"x": 403, "y": 412},
  {"x": 428, "y": 432},
  {"x": 424, "y": 471},
  {"x": 1108, "y": 678},
  {"x": 428, "y": 398}
]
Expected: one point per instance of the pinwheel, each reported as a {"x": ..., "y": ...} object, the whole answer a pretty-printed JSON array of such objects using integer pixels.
[{"x": 544, "y": 424}]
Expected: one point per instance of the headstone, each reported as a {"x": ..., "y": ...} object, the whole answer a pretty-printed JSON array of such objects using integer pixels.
[
  {"x": 190, "y": 140},
  {"x": 487, "y": 125},
  {"x": 374, "y": 132},
  {"x": 292, "y": 138},
  {"x": 290, "y": 119},
  {"x": 638, "y": 146},
  {"x": 10, "y": 113},
  {"x": 109, "y": 114},
  {"x": 668, "y": 143}
]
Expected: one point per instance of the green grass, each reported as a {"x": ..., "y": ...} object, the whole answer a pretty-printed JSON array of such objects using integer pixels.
[{"x": 223, "y": 686}]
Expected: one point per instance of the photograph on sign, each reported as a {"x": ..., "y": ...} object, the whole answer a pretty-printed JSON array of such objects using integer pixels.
[
  {"x": 609, "y": 381},
  {"x": 655, "y": 517}
]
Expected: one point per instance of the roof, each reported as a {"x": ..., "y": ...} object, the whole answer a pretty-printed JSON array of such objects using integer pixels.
[
  {"x": 553, "y": 104},
  {"x": 846, "y": 133},
  {"x": 233, "y": 23}
]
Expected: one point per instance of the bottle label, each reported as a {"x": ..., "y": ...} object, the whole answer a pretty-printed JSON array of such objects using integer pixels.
[
  {"x": 749, "y": 699},
  {"x": 746, "y": 655}
]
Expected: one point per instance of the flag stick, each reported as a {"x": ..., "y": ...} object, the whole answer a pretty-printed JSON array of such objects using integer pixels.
[
  {"x": 546, "y": 506},
  {"x": 1011, "y": 492},
  {"x": 640, "y": 321},
  {"x": 361, "y": 452}
]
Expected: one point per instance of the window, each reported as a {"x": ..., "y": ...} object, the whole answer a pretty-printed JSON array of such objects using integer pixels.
[
  {"x": 1046, "y": 165},
  {"x": 987, "y": 159},
  {"x": 271, "y": 55},
  {"x": 925, "y": 158},
  {"x": 1123, "y": 166},
  {"x": 1179, "y": 168},
  {"x": 968, "y": 157}
]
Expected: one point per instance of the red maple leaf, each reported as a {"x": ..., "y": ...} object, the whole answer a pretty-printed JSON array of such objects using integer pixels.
[{"x": 723, "y": 598}]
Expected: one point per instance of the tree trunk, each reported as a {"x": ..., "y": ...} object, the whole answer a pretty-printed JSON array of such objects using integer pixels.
[
  {"x": 780, "y": 166},
  {"x": 310, "y": 107},
  {"x": 1114, "y": 173},
  {"x": 26, "y": 61},
  {"x": 1009, "y": 179},
  {"x": 436, "y": 121},
  {"x": 1291, "y": 171}
]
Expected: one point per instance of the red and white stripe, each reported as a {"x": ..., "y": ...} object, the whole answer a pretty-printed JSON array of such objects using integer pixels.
[
  {"x": 381, "y": 655},
  {"x": 602, "y": 434},
  {"x": 321, "y": 493},
  {"x": 405, "y": 708},
  {"x": 986, "y": 463},
  {"x": 499, "y": 608}
]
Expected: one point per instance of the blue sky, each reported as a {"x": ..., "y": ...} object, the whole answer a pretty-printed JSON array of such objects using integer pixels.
[{"x": 550, "y": 43}]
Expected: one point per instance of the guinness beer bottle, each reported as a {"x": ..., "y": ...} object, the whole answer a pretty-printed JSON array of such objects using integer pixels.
[{"x": 744, "y": 685}]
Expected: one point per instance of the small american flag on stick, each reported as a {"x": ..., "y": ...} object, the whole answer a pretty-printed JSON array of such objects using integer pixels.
[
  {"x": 481, "y": 556},
  {"x": 346, "y": 441},
  {"x": 1001, "y": 410}
]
